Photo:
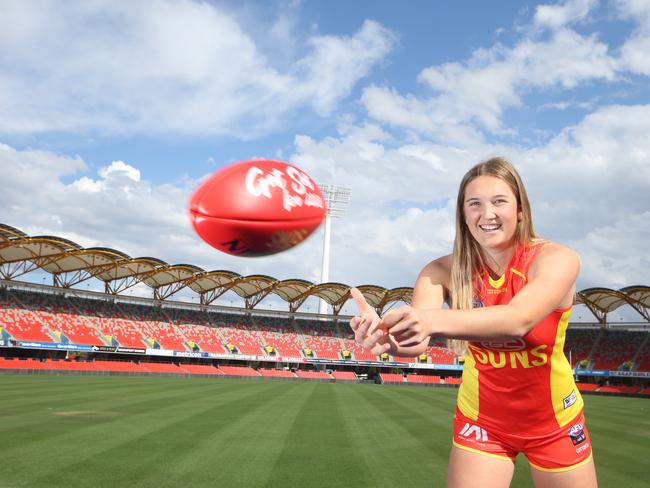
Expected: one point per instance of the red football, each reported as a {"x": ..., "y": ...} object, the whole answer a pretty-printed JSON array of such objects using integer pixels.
[{"x": 255, "y": 208}]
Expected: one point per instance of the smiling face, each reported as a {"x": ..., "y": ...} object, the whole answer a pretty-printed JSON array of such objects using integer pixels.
[{"x": 491, "y": 213}]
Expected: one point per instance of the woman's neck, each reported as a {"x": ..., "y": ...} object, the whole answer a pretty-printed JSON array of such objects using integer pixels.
[{"x": 497, "y": 260}]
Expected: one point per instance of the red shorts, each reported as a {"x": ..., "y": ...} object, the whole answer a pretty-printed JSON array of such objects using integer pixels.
[{"x": 563, "y": 449}]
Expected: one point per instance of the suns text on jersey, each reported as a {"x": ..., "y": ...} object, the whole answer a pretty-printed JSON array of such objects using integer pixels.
[{"x": 528, "y": 358}]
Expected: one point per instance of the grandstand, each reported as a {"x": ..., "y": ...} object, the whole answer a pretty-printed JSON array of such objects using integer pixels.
[{"x": 62, "y": 328}]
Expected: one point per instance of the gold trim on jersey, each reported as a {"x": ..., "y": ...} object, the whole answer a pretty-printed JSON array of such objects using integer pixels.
[
  {"x": 567, "y": 401},
  {"x": 497, "y": 283},
  {"x": 483, "y": 453},
  {"x": 468, "y": 391},
  {"x": 519, "y": 273},
  {"x": 559, "y": 470}
]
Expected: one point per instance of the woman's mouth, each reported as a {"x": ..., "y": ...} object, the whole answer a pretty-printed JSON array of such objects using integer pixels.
[{"x": 489, "y": 227}]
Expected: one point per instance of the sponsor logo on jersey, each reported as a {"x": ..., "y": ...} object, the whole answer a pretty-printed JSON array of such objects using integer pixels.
[
  {"x": 505, "y": 345},
  {"x": 471, "y": 430},
  {"x": 570, "y": 400},
  {"x": 577, "y": 434},
  {"x": 496, "y": 291}
]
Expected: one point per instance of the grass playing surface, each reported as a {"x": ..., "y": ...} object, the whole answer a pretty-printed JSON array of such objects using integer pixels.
[{"x": 95, "y": 431}]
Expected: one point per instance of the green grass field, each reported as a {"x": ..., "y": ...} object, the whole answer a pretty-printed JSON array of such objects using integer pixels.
[{"x": 94, "y": 431}]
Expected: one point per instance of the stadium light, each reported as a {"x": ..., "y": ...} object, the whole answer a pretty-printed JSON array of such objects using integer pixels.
[{"x": 337, "y": 198}]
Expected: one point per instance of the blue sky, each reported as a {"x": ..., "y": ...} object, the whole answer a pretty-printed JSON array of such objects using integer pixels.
[{"x": 111, "y": 113}]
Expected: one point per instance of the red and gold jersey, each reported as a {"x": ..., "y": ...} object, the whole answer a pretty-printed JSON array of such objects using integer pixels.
[{"x": 529, "y": 379}]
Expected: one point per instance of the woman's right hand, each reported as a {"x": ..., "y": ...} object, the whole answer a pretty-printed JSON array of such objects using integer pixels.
[{"x": 366, "y": 326}]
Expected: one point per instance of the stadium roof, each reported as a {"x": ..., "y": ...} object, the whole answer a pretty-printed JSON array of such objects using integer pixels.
[{"x": 70, "y": 264}]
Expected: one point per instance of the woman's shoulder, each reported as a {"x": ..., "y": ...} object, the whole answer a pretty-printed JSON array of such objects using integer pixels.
[
  {"x": 550, "y": 252},
  {"x": 547, "y": 248},
  {"x": 439, "y": 269}
]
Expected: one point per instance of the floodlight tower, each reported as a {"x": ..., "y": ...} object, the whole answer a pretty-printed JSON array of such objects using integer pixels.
[{"x": 337, "y": 198}]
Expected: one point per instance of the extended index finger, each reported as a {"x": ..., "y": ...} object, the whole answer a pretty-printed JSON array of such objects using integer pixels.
[{"x": 360, "y": 300}]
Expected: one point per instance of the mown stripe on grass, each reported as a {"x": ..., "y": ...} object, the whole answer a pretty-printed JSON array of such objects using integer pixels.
[
  {"x": 78, "y": 439},
  {"x": 244, "y": 452},
  {"x": 157, "y": 458},
  {"x": 401, "y": 446},
  {"x": 69, "y": 393},
  {"x": 52, "y": 417},
  {"x": 317, "y": 451}
]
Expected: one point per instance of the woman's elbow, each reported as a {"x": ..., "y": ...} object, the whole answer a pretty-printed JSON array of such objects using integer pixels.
[{"x": 522, "y": 325}]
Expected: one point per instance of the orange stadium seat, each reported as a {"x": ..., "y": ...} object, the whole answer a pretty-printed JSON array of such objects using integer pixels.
[
  {"x": 423, "y": 378},
  {"x": 391, "y": 378}
]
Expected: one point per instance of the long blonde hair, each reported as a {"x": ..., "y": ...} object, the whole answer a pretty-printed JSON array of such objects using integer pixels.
[{"x": 467, "y": 260}]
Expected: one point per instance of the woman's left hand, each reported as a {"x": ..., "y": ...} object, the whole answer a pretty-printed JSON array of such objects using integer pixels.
[{"x": 405, "y": 324}]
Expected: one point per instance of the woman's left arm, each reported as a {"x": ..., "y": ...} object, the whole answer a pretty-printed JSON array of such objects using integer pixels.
[{"x": 551, "y": 285}]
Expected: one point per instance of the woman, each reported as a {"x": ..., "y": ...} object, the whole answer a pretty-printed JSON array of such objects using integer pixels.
[{"x": 510, "y": 296}]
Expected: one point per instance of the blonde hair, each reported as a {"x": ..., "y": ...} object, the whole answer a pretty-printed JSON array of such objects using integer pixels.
[{"x": 467, "y": 259}]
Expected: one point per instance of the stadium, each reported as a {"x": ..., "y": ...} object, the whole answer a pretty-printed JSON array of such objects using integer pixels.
[{"x": 85, "y": 362}]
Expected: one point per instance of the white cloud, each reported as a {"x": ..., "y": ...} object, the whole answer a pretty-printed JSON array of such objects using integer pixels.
[
  {"x": 162, "y": 66},
  {"x": 635, "y": 52},
  {"x": 337, "y": 63},
  {"x": 568, "y": 12},
  {"x": 119, "y": 208},
  {"x": 616, "y": 254},
  {"x": 471, "y": 96},
  {"x": 588, "y": 187},
  {"x": 587, "y": 184}
]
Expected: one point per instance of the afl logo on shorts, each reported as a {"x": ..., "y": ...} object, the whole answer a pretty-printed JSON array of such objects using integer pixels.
[
  {"x": 511, "y": 345},
  {"x": 477, "y": 303},
  {"x": 577, "y": 434}
]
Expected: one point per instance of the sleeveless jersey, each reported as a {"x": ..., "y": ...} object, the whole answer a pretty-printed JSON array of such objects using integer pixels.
[{"x": 522, "y": 385}]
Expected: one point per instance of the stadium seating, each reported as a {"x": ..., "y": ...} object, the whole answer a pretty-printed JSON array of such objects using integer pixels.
[
  {"x": 391, "y": 378},
  {"x": 440, "y": 355},
  {"x": 120, "y": 366},
  {"x": 344, "y": 375},
  {"x": 587, "y": 386},
  {"x": 200, "y": 369},
  {"x": 21, "y": 322},
  {"x": 208, "y": 339},
  {"x": 284, "y": 339},
  {"x": 423, "y": 378},
  {"x": 243, "y": 337},
  {"x": 278, "y": 373},
  {"x": 450, "y": 380},
  {"x": 579, "y": 343},
  {"x": 49, "y": 317},
  {"x": 15, "y": 363},
  {"x": 619, "y": 389},
  {"x": 313, "y": 375},
  {"x": 614, "y": 348},
  {"x": 239, "y": 371},
  {"x": 161, "y": 367}
]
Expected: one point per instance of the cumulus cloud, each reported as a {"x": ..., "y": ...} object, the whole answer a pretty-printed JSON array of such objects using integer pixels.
[
  {"x": 121, "y": 209},
  {"x": 588, "y": 181},
  {"x": 586, "y": 184},
  {"x": 555, "y": 16},
  {"x": 635, "y": 52},
  {"x": 616, "y": 254},
  {"x": 470, "y": 97},
  {"x": 162, "y": 66}
]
